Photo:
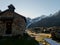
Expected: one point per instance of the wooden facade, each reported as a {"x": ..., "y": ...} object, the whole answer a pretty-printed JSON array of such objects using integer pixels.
[{"x": 11, "y": 23}]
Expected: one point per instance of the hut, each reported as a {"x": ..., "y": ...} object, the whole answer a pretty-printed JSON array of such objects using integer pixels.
[{"x": 12, "y": 23}]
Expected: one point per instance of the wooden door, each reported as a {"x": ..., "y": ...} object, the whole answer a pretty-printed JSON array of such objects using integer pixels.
[{"x": 8, "y": 28}]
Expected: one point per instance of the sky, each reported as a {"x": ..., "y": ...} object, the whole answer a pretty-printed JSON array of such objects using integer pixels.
[{"x": 32, "y": 8}]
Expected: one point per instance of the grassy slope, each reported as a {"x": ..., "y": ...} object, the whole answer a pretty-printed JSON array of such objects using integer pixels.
[
  {"x": 40, "y": 36},
  {"x": 16, "y": 41}
]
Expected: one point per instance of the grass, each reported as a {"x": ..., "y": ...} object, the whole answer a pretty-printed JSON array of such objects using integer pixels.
[
  {"x": 40, "y": 36},
  {"x": 18, "y": 41}
]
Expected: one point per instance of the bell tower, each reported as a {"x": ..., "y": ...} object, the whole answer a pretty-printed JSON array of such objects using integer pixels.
[{"x": 11, "y": 7}]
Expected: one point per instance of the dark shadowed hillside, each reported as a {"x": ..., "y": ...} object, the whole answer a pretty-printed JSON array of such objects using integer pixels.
[{"x": 53, "y": 20}]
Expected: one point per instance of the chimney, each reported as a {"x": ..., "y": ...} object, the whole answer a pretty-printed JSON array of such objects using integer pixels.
[{"x": 11, "y": 8}]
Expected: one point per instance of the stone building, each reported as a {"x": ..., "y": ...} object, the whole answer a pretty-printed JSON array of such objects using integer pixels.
[{"x": 11, "y": 23}]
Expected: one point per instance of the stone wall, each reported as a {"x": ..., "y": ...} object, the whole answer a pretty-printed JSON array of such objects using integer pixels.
[{"x": 18, "y": 24}]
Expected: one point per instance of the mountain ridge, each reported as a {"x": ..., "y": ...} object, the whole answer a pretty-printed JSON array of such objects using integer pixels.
[{"x": 48, "y": 21}]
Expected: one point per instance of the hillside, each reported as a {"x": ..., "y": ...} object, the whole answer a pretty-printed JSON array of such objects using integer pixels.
[{"x": 49, "y": 21}]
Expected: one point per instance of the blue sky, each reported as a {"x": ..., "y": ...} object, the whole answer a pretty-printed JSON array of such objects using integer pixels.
[{"x": 32, "y": 8}]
